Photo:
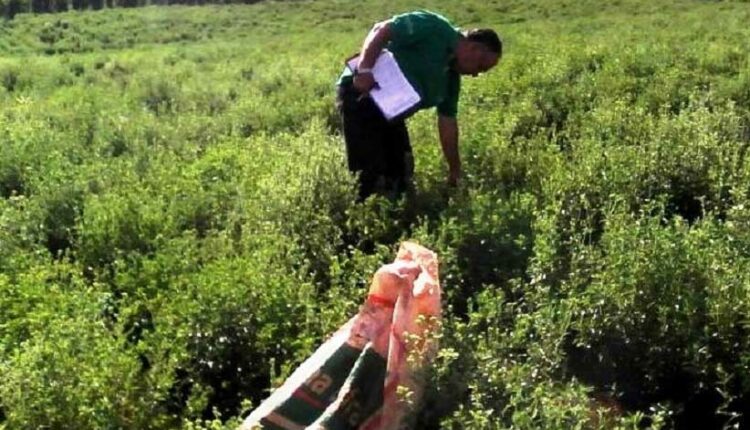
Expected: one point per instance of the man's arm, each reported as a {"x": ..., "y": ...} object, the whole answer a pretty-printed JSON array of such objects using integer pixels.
[
  {"x": 448, "y": 131},
  {"x": 371, "y": 48}
]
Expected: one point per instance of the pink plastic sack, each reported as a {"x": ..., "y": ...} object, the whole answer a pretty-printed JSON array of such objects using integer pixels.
[{"x": 368, "y": 374}]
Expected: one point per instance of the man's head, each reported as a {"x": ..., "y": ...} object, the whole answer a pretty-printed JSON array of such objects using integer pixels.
[{"x": 478, "y": 51}]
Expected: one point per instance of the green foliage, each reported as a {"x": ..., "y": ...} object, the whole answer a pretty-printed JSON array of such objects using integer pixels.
[
  {"x": 671, "y": 324},
  {"x": 178, "y": 230},
  {"x": 61, "y": 363}
]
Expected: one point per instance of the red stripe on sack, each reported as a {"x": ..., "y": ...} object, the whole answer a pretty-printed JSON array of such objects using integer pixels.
[
  {"x": 378, "y": 300},
  {"x": 312, "y": 401}
]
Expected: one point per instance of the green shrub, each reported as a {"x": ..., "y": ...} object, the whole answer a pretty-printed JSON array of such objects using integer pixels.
[
  {"x": 235, "y": 318},
  {"x": 160, "y": 96},
  {"x": 654, "y": 305},
  {"x": 114, "y": 225}
]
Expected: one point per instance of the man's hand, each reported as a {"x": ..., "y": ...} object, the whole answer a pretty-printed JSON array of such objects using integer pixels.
[
  {"x": 364, "y": 82},
  {"x": 371, "y": 49}
]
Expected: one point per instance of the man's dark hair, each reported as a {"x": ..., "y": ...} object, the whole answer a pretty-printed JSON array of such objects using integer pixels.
[{"x": 488, "y": 38}]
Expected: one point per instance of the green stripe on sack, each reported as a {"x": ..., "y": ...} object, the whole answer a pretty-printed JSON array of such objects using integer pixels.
[
  {"x": 365, "y": 393},
  {"x": 299, "y": 411},
  {"x": 320, "y": 389}
]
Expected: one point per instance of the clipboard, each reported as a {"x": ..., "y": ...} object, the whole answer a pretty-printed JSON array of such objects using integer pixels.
[{"x": 394, "y": 96}]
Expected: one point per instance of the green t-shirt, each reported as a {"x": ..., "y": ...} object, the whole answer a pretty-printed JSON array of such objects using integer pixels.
[{"x": 423, "y": 44}]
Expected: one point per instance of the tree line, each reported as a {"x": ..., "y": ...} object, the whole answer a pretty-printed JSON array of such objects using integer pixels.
[{"x": 11, "y": 8}]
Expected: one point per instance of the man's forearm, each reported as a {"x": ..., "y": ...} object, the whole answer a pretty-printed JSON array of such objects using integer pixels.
[
  {"x": 374, "y": 44},
  {"x": 448, "y": 131}
]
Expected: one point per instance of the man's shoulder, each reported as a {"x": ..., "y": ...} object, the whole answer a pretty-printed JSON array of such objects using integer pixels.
[
  {"x": 431, "y": 14},
  {"x": 426, "y": 16}
]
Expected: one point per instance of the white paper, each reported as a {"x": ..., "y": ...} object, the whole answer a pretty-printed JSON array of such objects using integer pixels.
[{"x": 394, "y": 94}]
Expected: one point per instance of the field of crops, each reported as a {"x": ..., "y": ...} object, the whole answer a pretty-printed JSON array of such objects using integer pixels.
[{"x": 178, "y": 229}]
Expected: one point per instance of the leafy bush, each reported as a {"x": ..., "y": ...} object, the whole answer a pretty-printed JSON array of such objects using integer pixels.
[{"x": 62, "y": 364}]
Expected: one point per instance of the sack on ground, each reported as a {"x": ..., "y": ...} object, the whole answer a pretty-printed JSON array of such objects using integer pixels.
[{"x": 369, "y": 374}]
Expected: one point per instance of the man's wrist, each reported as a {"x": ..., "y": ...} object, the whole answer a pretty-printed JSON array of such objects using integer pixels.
[{"x": 364, "y": 70}]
